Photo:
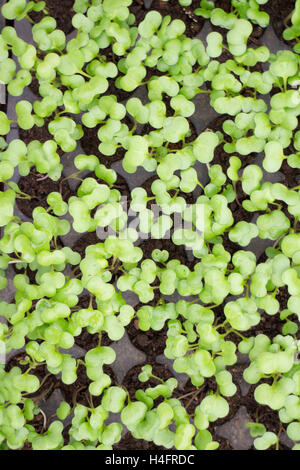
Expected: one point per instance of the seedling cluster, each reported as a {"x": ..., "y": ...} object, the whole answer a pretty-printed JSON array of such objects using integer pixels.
[{"x": 211, "y": 307}]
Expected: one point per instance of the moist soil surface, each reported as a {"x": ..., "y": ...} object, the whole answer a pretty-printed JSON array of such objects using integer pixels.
[
  {"x": 172, "y": 8},
  {"x": 90, "y": 144},
  {"x": 86, "y": 240},
  {"x": 38, "y": 186},
  {"x": 40, "y": 134},
  {"x": 132, "y": 382},
  {"x": 151, "y": 342},
  {"x": 279, "y": 11},
  {"x": 175, "y": 252},
  {"x": 128, "y": 442},
  {"x": 78, "y": 392},
  {"x": 226, "y": 6},
  {"x": 61, "y": 10}
]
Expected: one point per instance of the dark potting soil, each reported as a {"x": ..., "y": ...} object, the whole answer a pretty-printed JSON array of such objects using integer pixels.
[
  {"x": 89, "y": 341},
  {"x": 90, "y": 144},
  {"x": 112, "y": 88},
  {"x": 132, "y": 383},
  {"x": 128, "y": 442},
  {"x": 190, "y": 396},
  {"x": 61, "y": 11},
  {"x": 193, "y": 22},
  {"x": 270, "y": 325},
  {"x": 34, "y": 85},
  {"x": 78, "y": 393},
  {"x": 151, "y": 342},
  {"x": 3, "y": 108},
  {"x": 38, "y": 187},
  {"x": 283, "y": 297},
  {"x": 86, "y": 240},
  {"x": 175, "y": 252},
  {"x": 291, "y": 176},
  {"x": 226, "y": 6},
  {"x": 279, "y": 11},
  {"x": 40, "y": 134},
  {"x": 236, "y": 207},
  {"x": 265, "y": 415}
]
